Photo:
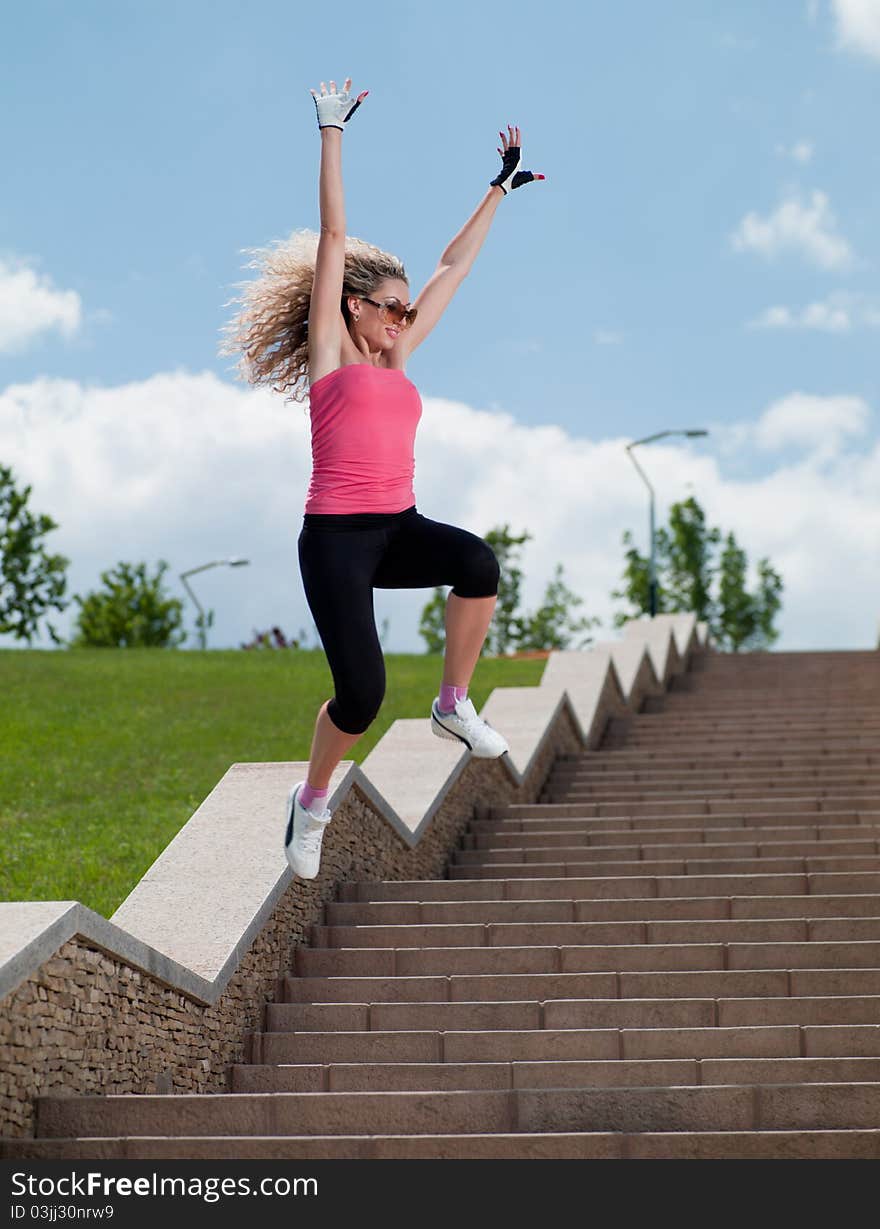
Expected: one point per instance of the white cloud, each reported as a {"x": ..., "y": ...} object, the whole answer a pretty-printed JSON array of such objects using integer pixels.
[
  {"x": 806, "y": 229},
  {"x": 820, "y": 316},
  {"x": 858, "y": 25},
  {"x": 31, "y": 305},
  {"x": 821, "y": 425},
  {"x": 801, "y": 151},
  {"x": 840, "y": 312},
  {"x": 190, "y": 468},
  {"x": 607, "y": 337}
]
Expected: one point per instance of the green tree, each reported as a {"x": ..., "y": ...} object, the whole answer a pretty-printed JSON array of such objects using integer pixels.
[
  {"x": 769, "y": 602},
  {"x": 745, "y": 620},
  {"x": 553, "y": 626},
  {"x": 687, "y": 550},
  {"x": 131, "y": 610},
  {"x": 432, "y": 625},
  {"x": 504, "y": 628},
  {"x": 686, "y": 574},
  {"x": 683, "y": 558},
  {"x": 32, "y": 581},
  {"x": 636, "y": 584}
]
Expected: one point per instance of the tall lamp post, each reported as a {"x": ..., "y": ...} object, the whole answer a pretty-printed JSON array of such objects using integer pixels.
[
  {"x": 233, "y": 563},
  {"x": 652, "y": 573}
]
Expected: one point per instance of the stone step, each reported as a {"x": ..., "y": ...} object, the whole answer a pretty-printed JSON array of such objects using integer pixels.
[
  {"x": 622, "y": 731},
  {"x": 545, "y": 934},
  {"x": 811, "y": 713},
  {"x": 594, "y": 765},
  {"x": 584, "y": 958},
  {"x": 752, "y": 723},
  {"x": 731, "y": 1107},
  {"x": 726, "y": 702},
  {"x": 818, "y": 694},
  {"x": 630, "y": 909},
  {"x": 645, "y": 851},
  {"x": 693, "y": 826},
  {"x": 657, "y": 733},
  {"x": 681, "y": 758},
  {"x": 665, "y": 767},
  {"x": 569, "y": 1038},
  {"x": 753, "y": 742},
  {"x": 785, "y": 1014},
  {"x": 709, "y": 775},
  {"x": 441, "y": 1077},
  {"x": 830, "y": 704},
  {"x": 667, "y": 793},
  {"x": 705, "y": 865},
  {"x": 818, "y": 1144},
  {"x": 521, "y": 987},
  {"x": 617, "y": 887},
  {"x": 805, "y": 805},
  {"x": 711, "y": 778},
  {"x": 593, "y": 834},
  {"x": 669, "y": 804},
  {"x": 706, "y": 745},
  {"x": 718, "y": 709},
  {"x": 600, "y": 824},
  {"x": 604, "y": 765},
  {"x": 599, "y": 1073}
]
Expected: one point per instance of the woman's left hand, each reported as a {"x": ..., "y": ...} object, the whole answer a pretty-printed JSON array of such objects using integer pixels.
[{"x": 509, "y": 177}]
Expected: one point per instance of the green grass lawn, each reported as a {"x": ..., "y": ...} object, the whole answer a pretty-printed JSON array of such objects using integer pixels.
[{"x": 105, "y": 753}]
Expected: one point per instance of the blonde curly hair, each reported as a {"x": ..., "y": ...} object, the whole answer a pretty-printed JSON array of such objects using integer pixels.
[{"x": 271, "y": 331}]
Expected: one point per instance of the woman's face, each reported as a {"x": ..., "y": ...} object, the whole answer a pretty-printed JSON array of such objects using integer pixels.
[{"x": 378, "y": 333}]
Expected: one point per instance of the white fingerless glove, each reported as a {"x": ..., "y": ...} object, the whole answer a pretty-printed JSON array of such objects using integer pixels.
[{"x": 336, "y": 109}]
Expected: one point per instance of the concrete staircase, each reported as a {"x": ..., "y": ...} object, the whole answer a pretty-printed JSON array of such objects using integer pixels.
[{"x": 675, "y": 953}]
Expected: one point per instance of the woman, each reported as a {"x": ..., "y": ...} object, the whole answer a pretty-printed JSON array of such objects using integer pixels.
[{"x": 342, "y": 314}]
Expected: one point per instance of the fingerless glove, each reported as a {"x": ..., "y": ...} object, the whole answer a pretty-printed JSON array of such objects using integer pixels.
[
  {"x": 509, "y": 177},
  {"x": 335, "y": 110}
]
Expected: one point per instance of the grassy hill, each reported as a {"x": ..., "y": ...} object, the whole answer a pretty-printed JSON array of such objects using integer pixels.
[{"x": 105, "y": 753}]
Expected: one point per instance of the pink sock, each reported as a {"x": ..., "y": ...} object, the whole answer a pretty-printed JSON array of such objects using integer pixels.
[
  {"x": 448, "y": 696},
  {"x": 307, "y": 796}
]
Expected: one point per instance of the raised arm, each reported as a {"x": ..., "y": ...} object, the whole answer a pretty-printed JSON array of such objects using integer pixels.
[
  {"x": 461, "y": 251},
  {"x": 325, "y": 313}
]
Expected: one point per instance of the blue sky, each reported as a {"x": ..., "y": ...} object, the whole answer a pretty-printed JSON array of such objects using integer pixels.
[{"x": 703, "y": 252}]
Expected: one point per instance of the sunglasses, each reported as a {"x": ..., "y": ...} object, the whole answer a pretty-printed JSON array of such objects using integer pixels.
[{"x": 393, "y": 312}]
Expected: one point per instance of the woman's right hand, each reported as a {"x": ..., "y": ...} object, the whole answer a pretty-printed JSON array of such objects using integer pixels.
[{"x": 335, "y": 108}]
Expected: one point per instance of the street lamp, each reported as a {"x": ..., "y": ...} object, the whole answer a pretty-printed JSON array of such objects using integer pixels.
[
  {"x": 652, "y": 574},
  {"x": 233, "y": 563}
]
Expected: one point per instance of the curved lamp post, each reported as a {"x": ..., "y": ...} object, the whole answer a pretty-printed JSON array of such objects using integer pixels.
[
  {"x": 233, "y": 563},
  {"x": 652, "y": 574}
]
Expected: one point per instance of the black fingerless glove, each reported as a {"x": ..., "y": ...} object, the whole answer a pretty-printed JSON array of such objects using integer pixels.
[{"x": 509, "y": 177}]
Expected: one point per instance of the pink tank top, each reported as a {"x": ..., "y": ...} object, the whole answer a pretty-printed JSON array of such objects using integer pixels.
[{"x": 364, "y": 421}]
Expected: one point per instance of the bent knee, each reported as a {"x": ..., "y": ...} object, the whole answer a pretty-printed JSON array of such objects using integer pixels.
[
  {"x": 480, "y": 572},
  {"x": 354, "y": 708}
]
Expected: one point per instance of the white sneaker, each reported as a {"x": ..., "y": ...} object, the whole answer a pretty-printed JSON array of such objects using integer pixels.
[
  {"x": 465, "y": 726},
  {"x": 302, "y": 840}
]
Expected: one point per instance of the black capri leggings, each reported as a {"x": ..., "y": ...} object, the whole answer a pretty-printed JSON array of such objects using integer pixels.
[{"x": 343, "y": 557}]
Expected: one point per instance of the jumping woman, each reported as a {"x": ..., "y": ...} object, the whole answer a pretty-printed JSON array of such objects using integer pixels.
[{"x": 339, "y": 315}]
